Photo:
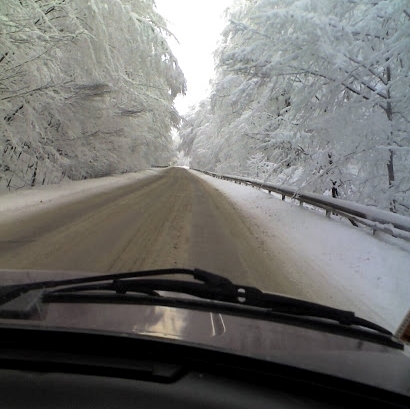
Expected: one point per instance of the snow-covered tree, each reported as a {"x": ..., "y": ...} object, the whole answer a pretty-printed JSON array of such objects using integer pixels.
[
  {"x": 321, "y": 90},
  {"x": 87, "y": 89}
]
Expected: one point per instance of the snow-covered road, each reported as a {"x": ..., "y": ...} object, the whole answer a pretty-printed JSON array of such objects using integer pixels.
[
  {"x": 168, "y": 218},
  {"x": 147, "y": 220}
]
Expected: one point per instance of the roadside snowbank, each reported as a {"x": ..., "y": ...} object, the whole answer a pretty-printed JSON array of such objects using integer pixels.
[{"x": 18, "y": 202}]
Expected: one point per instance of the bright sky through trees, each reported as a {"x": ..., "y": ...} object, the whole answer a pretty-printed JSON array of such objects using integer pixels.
[{"x": 197, "y": 26}]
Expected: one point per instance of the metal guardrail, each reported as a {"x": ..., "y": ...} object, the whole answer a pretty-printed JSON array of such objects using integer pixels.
[{"x": 378, "y": 220}]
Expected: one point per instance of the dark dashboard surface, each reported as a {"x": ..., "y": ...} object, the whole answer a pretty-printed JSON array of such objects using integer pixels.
[
  {"x": 194, "y": 390},
  {"x": 40, "y": 369}
]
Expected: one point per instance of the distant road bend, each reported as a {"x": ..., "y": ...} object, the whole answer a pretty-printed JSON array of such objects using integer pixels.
[{"x": 170, "y": 219}]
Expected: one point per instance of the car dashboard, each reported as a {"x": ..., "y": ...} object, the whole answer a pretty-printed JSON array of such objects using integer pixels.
[{"x": 69, "y": 369}]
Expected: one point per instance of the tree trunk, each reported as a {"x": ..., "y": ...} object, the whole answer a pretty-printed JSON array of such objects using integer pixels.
[
  {"x": 390, "y": 163},
  {"x": 33, "y": 178},
  {"x": 390, "y": 168}
]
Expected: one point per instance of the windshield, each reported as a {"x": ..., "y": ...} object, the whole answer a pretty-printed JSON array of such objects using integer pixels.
[{"x": 266, "y": 141}]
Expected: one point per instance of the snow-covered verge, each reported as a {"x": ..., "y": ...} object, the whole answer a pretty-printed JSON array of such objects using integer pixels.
[
  {"x": 339, "y": 265},
  {"x": 25, "y": 201}
]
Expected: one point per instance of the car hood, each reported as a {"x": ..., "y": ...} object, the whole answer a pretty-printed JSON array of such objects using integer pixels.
[{"x": 346, "y": 357}]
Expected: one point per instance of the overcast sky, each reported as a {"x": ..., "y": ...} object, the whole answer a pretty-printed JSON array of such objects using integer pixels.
[{"x": 197, "y": 24}]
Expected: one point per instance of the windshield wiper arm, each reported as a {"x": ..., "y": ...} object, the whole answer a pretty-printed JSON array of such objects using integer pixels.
[{"x": 211, "y": 287}]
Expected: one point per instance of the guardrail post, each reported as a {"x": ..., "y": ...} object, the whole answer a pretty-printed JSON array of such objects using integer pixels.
[
  {"x": 283, "y": 197},
  {"x": 328, "y": 212}
]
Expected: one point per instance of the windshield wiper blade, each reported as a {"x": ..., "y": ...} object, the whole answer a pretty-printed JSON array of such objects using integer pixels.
[
  {"x": 211, "y": 287},
  {"x": 9, "y": 292}
]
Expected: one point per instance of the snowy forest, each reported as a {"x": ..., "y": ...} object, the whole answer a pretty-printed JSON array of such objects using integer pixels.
[
  {"x": 87, "y": 89},
  {"x": 313, "y": 94}
]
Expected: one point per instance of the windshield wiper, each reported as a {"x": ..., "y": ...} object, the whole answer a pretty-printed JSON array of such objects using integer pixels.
[
  {"x": 9, "y": 292},
  {"x": 207, "y": 286}
]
